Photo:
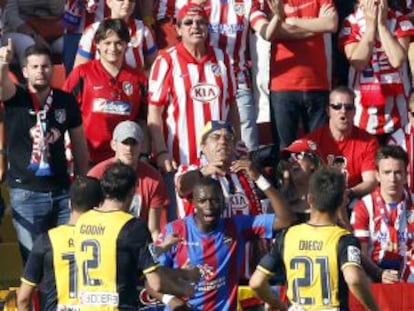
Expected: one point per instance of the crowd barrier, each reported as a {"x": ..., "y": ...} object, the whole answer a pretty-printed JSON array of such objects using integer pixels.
[{"x": 392, "y": 297}]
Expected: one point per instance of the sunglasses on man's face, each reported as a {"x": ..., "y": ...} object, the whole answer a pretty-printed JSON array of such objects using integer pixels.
[
  {"x": 190, "y": 22},
  {"x": 339, "y": 106}
]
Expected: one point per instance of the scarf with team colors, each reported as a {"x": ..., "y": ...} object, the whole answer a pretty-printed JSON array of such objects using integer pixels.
[{"x": 39, "y": 159}]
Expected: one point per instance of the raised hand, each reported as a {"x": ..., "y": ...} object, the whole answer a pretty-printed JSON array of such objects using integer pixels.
[
  {"x": 276, "y": 6},
  {"x": 370, "y": 9},
  {"x": 327, "y": 10},
  {"x": 246, "y": 165},
  {"x": 382, "y": 12},
  {"x": 6, "y": 52}
]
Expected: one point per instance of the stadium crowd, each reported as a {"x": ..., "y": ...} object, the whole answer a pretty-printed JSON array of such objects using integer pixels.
[{"x": 142, "y": 181}]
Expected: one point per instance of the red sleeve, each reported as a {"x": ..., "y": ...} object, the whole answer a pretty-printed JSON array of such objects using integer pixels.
[
  {"x": 360, "y": 221},
  {"x": 98, "y": 170},
  {"x": 159, "y": 194},
  {"x": 404, "y": 27},
  {"x": 158, "y": 85},
  {"x": 256, "y": 13},
  {"x": 348, "y": 33},
  {"x": 72, "y": 84}
]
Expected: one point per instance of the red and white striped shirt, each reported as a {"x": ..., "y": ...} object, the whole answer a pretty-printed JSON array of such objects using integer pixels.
[
  {"x": 142, "y": 43},
  {"x": 404, "y": 137},
  {"x": 228, "y": 28},
  {"x": 240, "y": 193},
  {"x": 192, "y": 92},
  {"x": 387, "y": 228},
  {"x": 393, "y": 114},
  {"x": 77, "y": 8}
]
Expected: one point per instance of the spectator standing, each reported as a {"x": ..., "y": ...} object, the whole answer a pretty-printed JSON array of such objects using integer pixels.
[
  {"x": 321, "y": 260},
  {"x": 375, "y": 40},
  {"x": 300, "y": 68},
  {"x": 37, "y": 117},
  {"x": 51, "y": 264},
  {"x": 151, "y": 194},
  {"x": 383, "y": 220},
  {"x": 346, "y": 147},
  {"x": 229, "y": 27},
  {"x": 141, "y": 50},
  {"x": 108, "y": 91},
  {"x": 204, "y": 90},
  {"x": 181, "y": 104}
]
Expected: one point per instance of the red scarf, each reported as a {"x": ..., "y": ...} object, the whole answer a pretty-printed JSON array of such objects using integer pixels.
[{"x": 39, "y": 160}]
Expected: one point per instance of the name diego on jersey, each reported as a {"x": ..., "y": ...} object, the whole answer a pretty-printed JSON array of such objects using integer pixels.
[{"x": 116, "y": 107}]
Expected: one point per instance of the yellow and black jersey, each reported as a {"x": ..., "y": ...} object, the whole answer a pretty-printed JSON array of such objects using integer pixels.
[
  {"x": 112, "y": 252},
  {"x": 52, "y": 263},
  {"x": 312, "y": 257}
]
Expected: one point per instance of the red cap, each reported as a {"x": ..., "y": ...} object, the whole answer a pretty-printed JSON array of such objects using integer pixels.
[
  {"x": 301, "y": 145},
  {"x": 191, "y": 9}
]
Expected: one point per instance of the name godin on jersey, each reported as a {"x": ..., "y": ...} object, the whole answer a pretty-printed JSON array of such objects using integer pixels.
[
  {"x": 102, "y": 105},
  {"x": 204, "y": 92}
]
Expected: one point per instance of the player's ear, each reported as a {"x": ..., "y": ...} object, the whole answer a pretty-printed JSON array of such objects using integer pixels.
[
  {"x": 113, "y": 145},
  {"x": 310, "y": 198}
]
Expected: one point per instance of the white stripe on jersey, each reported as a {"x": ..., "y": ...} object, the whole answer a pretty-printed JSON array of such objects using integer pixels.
[
  {"x": 141, "y": 39},
  {"x": 171, "y": 83}
]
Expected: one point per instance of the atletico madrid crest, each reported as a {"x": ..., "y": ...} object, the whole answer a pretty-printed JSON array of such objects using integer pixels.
[
  {"x": 215, "y": 68},
  {"x": 239, "y": 8},
  {"x": 60, "y": 115},
  {"x": 127, "y": 88},
  {"x": 135, "y": 40}
]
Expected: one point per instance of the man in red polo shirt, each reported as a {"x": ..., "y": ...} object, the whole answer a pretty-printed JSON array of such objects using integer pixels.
[
  {"x": 345, "y": 146},
  {"x": 108, "y": 91},
  {"x": 150, "y": 192}
]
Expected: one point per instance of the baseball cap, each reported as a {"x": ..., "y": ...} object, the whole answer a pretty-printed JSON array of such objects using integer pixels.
[
  {"x": 128, "y": 129},
  {"x": 191, "y": 9},
  {"x": 215, "y": 125},
  {"x": 300, "y": 145}
]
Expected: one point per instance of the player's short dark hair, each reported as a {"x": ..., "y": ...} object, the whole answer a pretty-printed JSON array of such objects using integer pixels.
[
  {"x": 36, "y": 49},
  {"x": 85, "y": 193},
  {"x": 115, "y": 25},
  {"x": 342, "y": 89},
  {"x": 117, "y": 181},
  {"x": 393, "y": 152},
  {"x": 210, "y": 183},
  {"x": 327, "y": 186}
]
